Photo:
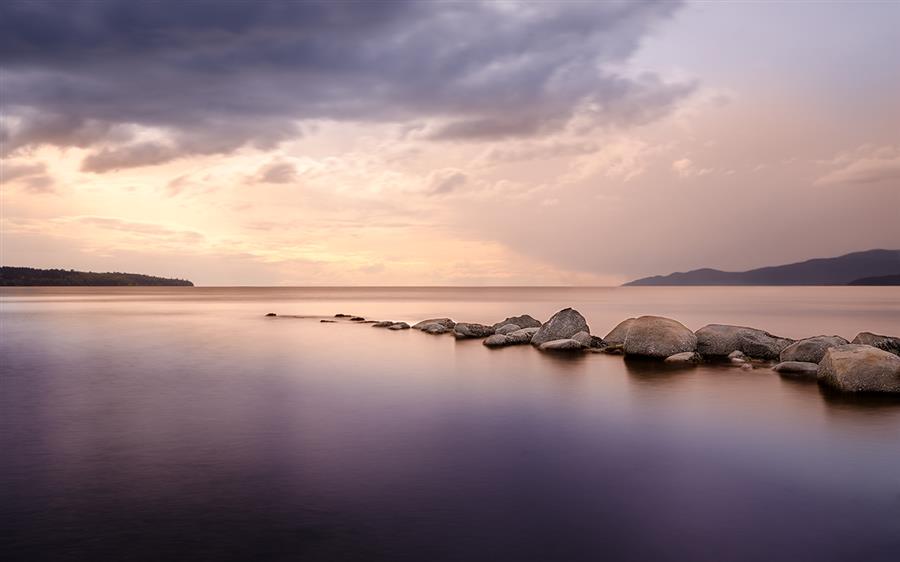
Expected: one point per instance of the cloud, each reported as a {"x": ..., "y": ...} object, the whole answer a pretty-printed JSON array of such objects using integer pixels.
[
  {"x": 686, "y": 168},
  {"x": 10, "y": 171},
  {"x": 277, "y": 172},
  {"x": 446, "y": 181},
  {"x": 208, "y": 77},
  {"x": 866, "y": 165},
  {"x": 33, "y": 177},
  {"x": 144, "y": 230}
]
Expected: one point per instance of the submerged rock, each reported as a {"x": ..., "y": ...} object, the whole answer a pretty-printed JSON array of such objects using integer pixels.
[
  {"x": 860, "y": 368},
  {"x": 562, "y": 325},
  {"x": 507, "y": 328},
  {"x": 445, "y": 322},
  {"x": 613, "y": 349},
  {"x": 564, "y": 344},
  {"x": 435, "y": 329},
  {"x": 469, "y": 330},
  {"x": 718, "y": 340},
  {"x": 357, "y": 319},
  {"x": 398, "y": 326},
  {"x": 383, "y": 324},
  {"x": 617, "y": 335},
  {"x": 797, "y": 368},
  {"x": 738, "y": 357},
  {"x": 342, "y": 315},
  {"x": 684, "y": 357},
  {"x": 271, "y": 314},
  {"x": 524, "y": 321},
  {"x": 658, "y": 337},
  {"x": 811, "y": 350},
  {"x": 890, "y": 344},
  {"x": 328, "y": 321}
]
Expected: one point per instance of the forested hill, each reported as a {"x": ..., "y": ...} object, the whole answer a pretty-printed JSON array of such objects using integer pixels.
[{"x": 31, "y": 277}]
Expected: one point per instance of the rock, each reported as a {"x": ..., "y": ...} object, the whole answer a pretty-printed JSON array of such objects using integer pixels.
[
  {"x": 357, "y": 319},
  {"x": 617, "y": 335},
  {"x": 597, "y": 342},
  {"x": 737, "y": 357},
  {"x": 718, "y": 340},
  {"x": 583, "y": 338},
  {"x": 655, "y": 336},
  {"x": 524, "y": 335},
  {"x": 797, "y": 368},
  {"x": 564, "y": 344},
  {"x": 271, "y": 314},
  {"x": 445, "y": 322},
  {"x": 860, "y": 368},
  {"x": 684, "y": 357},
  {"x": 562, "y": 325},
  {"x": 746, "y": 367},
  {"x": 518, "y": 337},
  {"x": 524, "y": 321},
  {"x": 507, "y": 328},
  {"x": 467, "y": 330},
  {"x": 383, "y": 324},
  {"x": 613, "y": 349},
  {"x": 435, "y": 329},
  {"x": 342, "y": 316},
  {"x": 886, "y": 343},
  {"x": 328, "y": 321},
  {"x": 497, "y": 340},
  {"x": 399, "y": 326},
  {"x": 810, "y": 350}
]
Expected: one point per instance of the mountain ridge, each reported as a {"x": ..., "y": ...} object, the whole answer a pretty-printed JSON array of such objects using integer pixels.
[{"x": 839, "y": 270}]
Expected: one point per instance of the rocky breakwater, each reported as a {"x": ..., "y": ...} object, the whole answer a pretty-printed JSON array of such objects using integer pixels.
[{"x": 870, "y": 364}]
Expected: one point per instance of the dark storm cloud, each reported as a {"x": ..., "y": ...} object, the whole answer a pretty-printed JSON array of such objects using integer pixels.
[{"x": 220, "y": 75}]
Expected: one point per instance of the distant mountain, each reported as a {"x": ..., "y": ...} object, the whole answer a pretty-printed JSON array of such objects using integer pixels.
[
  {"x": 30, "y": 277},
  {"x": 842, "y": 270},
  {"x": 882, "y": 280}
]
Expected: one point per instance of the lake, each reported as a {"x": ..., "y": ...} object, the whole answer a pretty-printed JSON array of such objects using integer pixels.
[{"x": 181, "y": 424}]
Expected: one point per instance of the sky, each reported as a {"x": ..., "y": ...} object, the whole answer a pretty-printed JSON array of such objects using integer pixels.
[{"x": 445, "y": 143}]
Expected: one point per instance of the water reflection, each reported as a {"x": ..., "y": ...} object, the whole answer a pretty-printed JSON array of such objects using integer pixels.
[{"x": 150, "y": 425}]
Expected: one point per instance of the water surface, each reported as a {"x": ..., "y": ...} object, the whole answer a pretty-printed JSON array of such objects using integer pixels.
[{"x": 179, "y": 423}]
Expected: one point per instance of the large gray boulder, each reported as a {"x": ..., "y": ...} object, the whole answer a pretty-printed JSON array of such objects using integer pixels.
[
  {"x": 562, "y": 325},
  {"x": 797, "y": 369},
  {"x": 810, "y": 350},
  {"x": 617, "y": 335},
  {"x": 860, "y": 368},
  {"x": 524, "y": 321},
  {"x": 445, "y": 322},
  {"x": 887, "y": 343},
  {"x": 468, "y": 330},
  {"x": 564, "y": 344},
  {"x": 718, "y": 340},
  {"x": 655, "y": 336}
]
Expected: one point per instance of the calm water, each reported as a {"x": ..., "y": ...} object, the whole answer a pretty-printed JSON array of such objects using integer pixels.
[{"x": 164, "y": 424}]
